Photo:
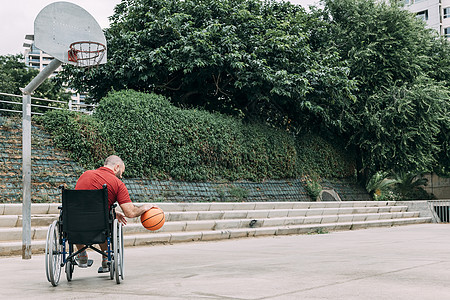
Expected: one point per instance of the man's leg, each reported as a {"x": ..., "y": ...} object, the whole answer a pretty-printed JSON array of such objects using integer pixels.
[
  {"x": 79, "y": 246},
  {"x": 81, "y": 258},
  {"x": 104, "y": 246},
  {"x": 104, "y": 267}
]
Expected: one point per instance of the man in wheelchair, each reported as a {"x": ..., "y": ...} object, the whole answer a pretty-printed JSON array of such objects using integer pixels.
[
  {"x": 88, "y": 217},
  {"x": 110, "y": 174}
]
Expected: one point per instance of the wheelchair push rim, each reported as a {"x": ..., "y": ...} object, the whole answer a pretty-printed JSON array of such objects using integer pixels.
[
  {"x": 118, "y": 250},
  {"x": 53, "y": 254},
  {"x": 121, "y": 250}
]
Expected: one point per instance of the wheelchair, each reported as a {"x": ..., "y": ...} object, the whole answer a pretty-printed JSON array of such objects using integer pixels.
[{"x": 84, "y": 219}]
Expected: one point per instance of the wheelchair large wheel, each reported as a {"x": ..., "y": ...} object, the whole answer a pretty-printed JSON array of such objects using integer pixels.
[
  {"x": 118, "y": 250},
  {"x": 53, "y": 254}
]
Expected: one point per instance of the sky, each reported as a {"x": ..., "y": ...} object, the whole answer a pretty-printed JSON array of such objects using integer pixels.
[{"x": 17, "y": 18}]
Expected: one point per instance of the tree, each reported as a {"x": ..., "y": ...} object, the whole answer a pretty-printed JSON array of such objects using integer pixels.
[
  {"x": 399, "y": 128},
  {"x": 246, "y": 58},
  {"x": 384, "y": 44},
  {"x": 366, "y": 71},
  {"x": 401, "y": 117},
  {"x": 14, "y": 74}
]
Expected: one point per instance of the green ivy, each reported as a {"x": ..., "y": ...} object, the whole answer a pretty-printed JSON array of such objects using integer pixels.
[
  {"x": 325, "y": 158},
  {"x": 158, "y": 140},
  {"x": 79, "y": 134}
]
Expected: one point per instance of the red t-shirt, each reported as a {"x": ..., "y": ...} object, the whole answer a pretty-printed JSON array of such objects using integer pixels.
[{"x": 95, "y": 179}]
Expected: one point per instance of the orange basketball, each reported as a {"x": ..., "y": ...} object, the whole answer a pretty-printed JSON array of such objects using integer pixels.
[{"x": 153, "y": 219}]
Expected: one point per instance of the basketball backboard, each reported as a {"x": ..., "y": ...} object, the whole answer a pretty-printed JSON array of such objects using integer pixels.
[{"x": 61, "y": 24}]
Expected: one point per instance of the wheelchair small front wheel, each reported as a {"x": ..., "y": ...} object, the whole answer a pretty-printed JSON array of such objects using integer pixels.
[
  {"x": 53, "y": 254},
  {"x": 69, "y": 270}
]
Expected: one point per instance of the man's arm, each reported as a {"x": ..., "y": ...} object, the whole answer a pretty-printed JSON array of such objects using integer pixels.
[{"x": 132, "y": 211}]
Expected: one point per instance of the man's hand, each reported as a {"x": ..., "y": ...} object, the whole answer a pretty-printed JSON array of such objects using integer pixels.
[{"x": 121, "y": 218}]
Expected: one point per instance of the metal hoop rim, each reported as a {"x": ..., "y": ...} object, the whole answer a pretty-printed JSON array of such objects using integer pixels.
[
  {"x": 71, "y": 47},
  {"x": 87, "y": 54}
]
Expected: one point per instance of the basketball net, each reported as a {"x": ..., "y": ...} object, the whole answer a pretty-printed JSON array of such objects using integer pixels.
[{"x": 86, "y": 54}]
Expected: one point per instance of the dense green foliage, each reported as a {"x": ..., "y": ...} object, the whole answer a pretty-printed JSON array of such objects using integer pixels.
[
  {"x": 317, "y": 155},
  {"x": 246, "y": 58},
  {"x": 79, "y": 134},
  {"x": 399, "y": 186},
  {"x": 15, "y": 75},
  {"x": 367, "y": 72},
  {"x": 157, "y": 139},
  {"x": 384, "y": 44},
  {"x": 401, "y": 117},
  {"x": 401, "y": 126},
  {"x": 154, "y": 137}
]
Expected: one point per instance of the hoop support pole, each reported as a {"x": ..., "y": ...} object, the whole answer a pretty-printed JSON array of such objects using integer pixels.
[{"x": 26, "y": 154}]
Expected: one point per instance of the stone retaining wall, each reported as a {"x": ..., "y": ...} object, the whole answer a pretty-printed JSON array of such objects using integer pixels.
[{"x": 51, "y": 167}]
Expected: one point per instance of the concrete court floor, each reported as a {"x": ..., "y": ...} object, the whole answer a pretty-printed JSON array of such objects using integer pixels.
[{"x": 406, "y": 262}]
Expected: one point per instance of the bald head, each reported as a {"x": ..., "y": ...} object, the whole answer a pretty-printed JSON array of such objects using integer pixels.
[
  {"x": 116, "y": 164},
  {"x": 113, "y": 160}
]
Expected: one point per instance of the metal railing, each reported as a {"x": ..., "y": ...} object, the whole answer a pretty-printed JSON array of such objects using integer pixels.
[
  {"x": 14, "y": 104},
  {"x": 440, "y": 210}
]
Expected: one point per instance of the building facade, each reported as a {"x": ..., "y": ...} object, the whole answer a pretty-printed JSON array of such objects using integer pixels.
[{"x": 436, "y": 13}]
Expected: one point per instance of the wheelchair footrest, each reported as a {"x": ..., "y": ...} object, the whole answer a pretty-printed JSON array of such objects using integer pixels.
[
  {"x": 103, "y": 270},
  {"x": 90, "y": 262}
]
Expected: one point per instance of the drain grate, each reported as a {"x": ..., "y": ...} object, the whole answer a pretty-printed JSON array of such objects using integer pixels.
[{"x": 440, "y": 210}]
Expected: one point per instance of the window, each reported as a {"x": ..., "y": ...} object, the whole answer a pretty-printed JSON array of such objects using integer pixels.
[
  {"x": 423, "y": 15},
  {"x": 446, "y": 12},
  {"x": 447, "y": 32}
]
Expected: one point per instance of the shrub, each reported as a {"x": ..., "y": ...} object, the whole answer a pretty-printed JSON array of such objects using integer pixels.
[
  {"x": 158, "y": 140},
  {"x": 324, "y": 158},
  {"x": 379, "y": 186},
  {"x": 404, "y": 186},
  {"x": 80, "y": 134},
  {"x": 312, "y": 187}
]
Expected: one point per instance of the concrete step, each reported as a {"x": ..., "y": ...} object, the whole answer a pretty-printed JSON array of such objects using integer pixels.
[
  {"x": 36, "y": 208},
  {"x": 172, "y": 237},
  {"x": 140, "y": 239},
  {"x": 39, "y": 232},
  {"x": 45, "y": 214},
  {"x": 15, "y": 233},
  {"x": 15, "y": 247},
  {"x": 227, "y": 206},
  {"x": 52, "y": 208},
  {"x": 273, "y": 213},
  {"x": 36, "y": 220},
  {"x": 221, "y": 224},
  {"x": 210, "y": 221}
]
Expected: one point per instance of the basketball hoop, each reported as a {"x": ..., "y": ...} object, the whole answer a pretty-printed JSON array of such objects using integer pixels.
[{"x": 86, "y": 53}]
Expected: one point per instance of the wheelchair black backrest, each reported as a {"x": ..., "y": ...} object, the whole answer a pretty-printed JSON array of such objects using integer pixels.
[{"x": 85, "y": 214}]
